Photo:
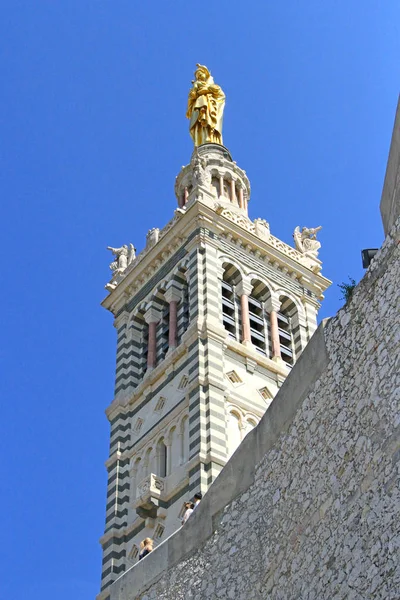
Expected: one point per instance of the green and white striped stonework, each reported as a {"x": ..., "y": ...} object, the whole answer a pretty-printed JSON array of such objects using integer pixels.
[{"x": 182, "y": 419}]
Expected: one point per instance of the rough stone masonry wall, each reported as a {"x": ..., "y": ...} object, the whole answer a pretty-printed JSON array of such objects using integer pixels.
[{"x": 309, "y": 505}]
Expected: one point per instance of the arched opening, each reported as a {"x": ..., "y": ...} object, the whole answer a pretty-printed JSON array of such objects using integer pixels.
[
  {"x": 162, "y": 331},
  {"x": 259, "y": 318},
  {"x": 139, "y": 337},
  {"x": 230, "y": 301},
  {"x": 175, "y": 449},
  {"x": 183, "y": 306},
  {"x": 136, "y": 476},
  {"x": 250, "y": 424},
  {"x": 234, "y": 431},
  {"x": 184, "y": 440},
  {"x": 148, "y": 462},
  {"x": 285, "y": 327},
  {"x": 162, "y": 466}
]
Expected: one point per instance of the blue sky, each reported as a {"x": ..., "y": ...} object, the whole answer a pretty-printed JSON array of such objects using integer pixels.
[{"x": 93, "y": 130}]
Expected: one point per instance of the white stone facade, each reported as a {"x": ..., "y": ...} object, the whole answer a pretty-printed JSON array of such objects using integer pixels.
[
  {"x": 308, "y": 506},
  {"x": 210, "y": 316}
]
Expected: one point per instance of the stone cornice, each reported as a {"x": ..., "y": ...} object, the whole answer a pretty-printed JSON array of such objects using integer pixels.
[
  {"x": 262, "y": 361},
  {"x": 271, "y": 250}
]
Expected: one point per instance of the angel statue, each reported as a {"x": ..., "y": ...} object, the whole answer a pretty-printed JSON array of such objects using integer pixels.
[
  {"x": 306, "y": 241},
  {"x": 123, "y": 258},
  {"x": 205, "y": 108}
]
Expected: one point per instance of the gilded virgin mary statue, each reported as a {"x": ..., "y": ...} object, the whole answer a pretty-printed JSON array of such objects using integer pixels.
[{"x": 205, "y": 108}]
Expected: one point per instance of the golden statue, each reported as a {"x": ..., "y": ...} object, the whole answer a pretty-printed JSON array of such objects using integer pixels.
[{"x": 205, "y": 108}]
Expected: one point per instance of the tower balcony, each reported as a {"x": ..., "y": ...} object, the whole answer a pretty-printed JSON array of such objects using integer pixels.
[{"x": 149, "y": 492}]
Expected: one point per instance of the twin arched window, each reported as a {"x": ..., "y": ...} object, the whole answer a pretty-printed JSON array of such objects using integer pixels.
[
  {"x": 139, "y": 329},
  {"x": 238, "y": 427},
  {"x": 259, "y": 316}
]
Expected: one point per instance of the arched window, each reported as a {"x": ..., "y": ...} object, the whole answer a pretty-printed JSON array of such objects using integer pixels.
[
  {"x": 259, "y": 318},
  {"x": 230, "y": 301},
  {"x": 285, "y": 315},
  {"x": 174, "y": 448},
  {"x": 162, "y": 459},
  {"x": 162, "y": 331},
  {"x": 148, "y": 462},
  {"x": 185, "y": 440},
  {"x": 138, "y": 335},
  {"x": 136, "y": 477},
  {"x": 133, "y": 554},
  {"x": 234, "y": 432},
  {"x": 183, "y": 315},
  {"x": 249, "y": 425}
]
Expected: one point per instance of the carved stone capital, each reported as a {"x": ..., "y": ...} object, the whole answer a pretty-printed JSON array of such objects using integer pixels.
[
  {"x": 152, "y": 315},
  {"x": 173, "y": 292},
  {"x": 244, "y": 287},
  {"x": 273, "y": 303}
]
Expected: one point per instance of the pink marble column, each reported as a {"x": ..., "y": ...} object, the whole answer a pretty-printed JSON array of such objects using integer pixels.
[
  {"x": 243, "y": 289},
  {"x": 152, "y": 342},
  {"x": 152, "y": 317},
  {"x": 173, "y": 311},
  {"x": 276, "y": 346},
  {"x": 244, "y": 301},
  {"x": 185, "y": 196},
  {"x": 173, "y": 295}
]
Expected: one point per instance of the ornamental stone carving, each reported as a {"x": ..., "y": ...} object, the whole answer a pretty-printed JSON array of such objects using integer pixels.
[
  {"x": 306, "y": 241},
  {"x": 201, "y": 177},
  {"x": 152, "y": 237},
  {"x": 235, "y": 217},
  {"x": 123, "y": 258},
  {"x": 262, "y": 228}
]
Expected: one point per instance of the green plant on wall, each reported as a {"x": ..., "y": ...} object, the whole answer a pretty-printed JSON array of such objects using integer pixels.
[{"x": 347, "y": 289}]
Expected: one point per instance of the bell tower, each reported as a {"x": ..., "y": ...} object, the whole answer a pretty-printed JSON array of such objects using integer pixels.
[{"x": 210, "y": 317}]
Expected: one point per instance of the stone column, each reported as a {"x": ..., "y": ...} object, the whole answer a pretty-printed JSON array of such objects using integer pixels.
[
  {"x": 241, "y": 201},
  {"x": 221, "y": 185},
  {"x": 245, "y": 202},
  {"x": 273, "y": 305},
  {"x": 233, "y": 193},
  {"x": 173, "y": 295},
  {"x": 185, "y": 196},
  {"x": 244, "y": 290},
  {"x": 152, "y": 316}
]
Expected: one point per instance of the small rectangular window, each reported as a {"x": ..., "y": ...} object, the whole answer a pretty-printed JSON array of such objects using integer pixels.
[
  {"x": 138, "y": 425},
  {"x": 159, "y": 530},
  {"x": 160, "y": 404},
  {"x": 183, "y": 382},
  {"x": 265, "y": 393},
  {"x": 233, "y": 377},
  {"x": 133, "y": 553}
]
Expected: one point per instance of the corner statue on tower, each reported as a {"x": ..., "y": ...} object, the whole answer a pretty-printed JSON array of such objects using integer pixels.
[{"x": 205, "y": 108}]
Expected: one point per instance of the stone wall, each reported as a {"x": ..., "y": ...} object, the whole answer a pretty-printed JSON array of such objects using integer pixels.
[
  {"x": 390, "y": 201},
  {"x": 308, "y": 506}
]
